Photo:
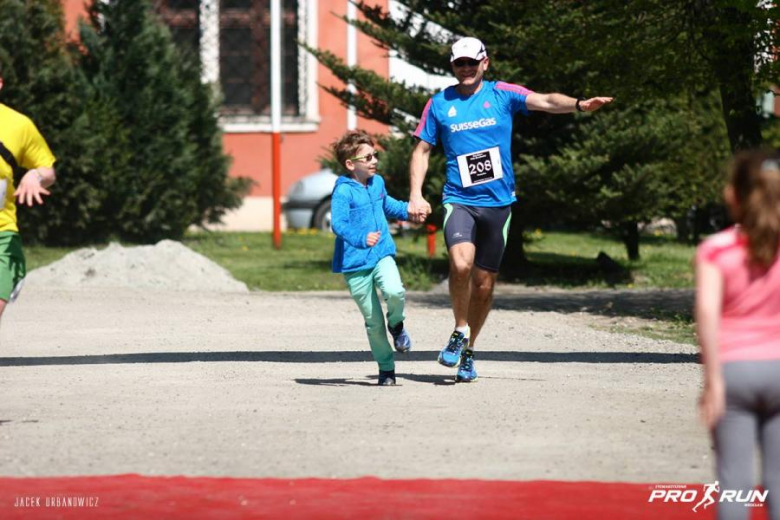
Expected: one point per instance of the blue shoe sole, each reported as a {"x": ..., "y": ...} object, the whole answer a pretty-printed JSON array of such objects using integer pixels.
[
  {"x": 448, "y": 365},
  {"x": 459, "y": 379}
]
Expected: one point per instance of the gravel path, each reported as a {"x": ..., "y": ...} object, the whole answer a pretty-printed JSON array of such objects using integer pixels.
[{"x": 158, "y": 382}]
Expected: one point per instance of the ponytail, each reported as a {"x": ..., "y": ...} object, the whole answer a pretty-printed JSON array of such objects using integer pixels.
[{"x": 755, "y": 179}]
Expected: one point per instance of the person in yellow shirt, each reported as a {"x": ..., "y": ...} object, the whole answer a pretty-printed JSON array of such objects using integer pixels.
[{"x": 23, "y": 151}]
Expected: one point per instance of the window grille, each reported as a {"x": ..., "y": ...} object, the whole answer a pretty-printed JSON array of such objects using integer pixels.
[{"x": 231, "y": 39}]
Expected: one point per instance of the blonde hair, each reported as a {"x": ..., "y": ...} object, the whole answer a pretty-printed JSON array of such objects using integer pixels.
[
  {"x": 755, "y": 180},
  {"x": 349, "y": 143}
]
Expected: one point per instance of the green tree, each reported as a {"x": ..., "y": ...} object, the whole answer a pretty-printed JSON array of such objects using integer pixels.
[
  {"x": 617, "y": 171},
  {"x": 654, "y": 47},
  {"x": 172, "y": 173},
  {"x": 135, "y": 132},
  {"x": 41, "y": 82},
  {"x": 541, "y": 44}
]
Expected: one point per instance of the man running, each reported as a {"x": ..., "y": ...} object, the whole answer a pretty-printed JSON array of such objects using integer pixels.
[
  {"x": 22, "y": 151},
  {"x": 473, "y": 121}
]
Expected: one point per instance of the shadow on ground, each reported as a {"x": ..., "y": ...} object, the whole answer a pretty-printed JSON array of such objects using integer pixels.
[
  {"x": 437, "y": 380},
  {"x": 345, "y": 357},
  {"x": 648, "y": 304}
]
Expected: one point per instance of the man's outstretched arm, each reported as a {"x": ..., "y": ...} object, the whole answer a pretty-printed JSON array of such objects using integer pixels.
[{"x": 562, "y": 104}]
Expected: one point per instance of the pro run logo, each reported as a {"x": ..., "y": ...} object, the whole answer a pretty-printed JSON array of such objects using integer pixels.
[{"x": 701, "y": 500}]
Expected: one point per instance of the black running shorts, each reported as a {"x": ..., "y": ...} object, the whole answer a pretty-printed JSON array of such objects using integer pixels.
[{"x": 486, "y": 228}]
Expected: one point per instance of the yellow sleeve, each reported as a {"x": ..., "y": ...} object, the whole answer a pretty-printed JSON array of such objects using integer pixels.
[{"x": 36, "y": 151}]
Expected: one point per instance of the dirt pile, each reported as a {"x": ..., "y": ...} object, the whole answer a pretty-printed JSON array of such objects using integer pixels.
[{"x": 167, "y": 265}]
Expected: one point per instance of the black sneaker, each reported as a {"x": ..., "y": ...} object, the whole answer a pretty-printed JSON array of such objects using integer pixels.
[
  {"x": 386, "y": 377},
  {"x": 401, "y": 340}
]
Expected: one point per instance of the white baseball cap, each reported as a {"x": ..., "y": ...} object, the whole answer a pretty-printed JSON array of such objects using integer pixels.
[{"x": 468, "y": 48}]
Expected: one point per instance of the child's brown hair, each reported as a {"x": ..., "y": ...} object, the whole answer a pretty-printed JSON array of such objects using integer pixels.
[
  {"x": 348, "y": 145},
  {"x": 755, "y": 180}
]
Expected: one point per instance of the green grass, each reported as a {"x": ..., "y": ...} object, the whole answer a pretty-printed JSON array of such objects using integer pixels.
[
  {"x": 304, "y": 261},
  {"x": 558, "y": 259},
  {"x": 302, "y": 264},
  {"x": 569, "y": 260},
  {"x": 38, "y": 256},
  {"x": 679, "y": 328}
]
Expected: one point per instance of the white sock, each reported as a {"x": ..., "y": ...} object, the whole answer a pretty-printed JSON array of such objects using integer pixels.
[{"x": 465, "y": 330}]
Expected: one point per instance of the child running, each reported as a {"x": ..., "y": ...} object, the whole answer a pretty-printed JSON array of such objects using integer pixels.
[
  {"x": 365, "y": 250},
  {"x": 738, "y": 324}
]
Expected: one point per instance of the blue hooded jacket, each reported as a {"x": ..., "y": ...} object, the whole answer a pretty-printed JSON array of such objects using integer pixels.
[{"x": 356, "y": 211}]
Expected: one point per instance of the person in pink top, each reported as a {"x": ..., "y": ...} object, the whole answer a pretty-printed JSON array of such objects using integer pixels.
[{"x": 738, "y": 325}]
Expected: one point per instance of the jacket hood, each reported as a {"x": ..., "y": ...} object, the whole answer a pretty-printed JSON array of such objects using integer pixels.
[{"x": 352, "y": 183}]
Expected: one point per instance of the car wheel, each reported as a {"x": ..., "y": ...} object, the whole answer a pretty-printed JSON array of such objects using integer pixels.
[{"x": 321, "y": 219}]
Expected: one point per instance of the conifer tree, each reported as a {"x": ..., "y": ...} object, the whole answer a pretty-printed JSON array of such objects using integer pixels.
[
  {"x": 172, "y": 172},
  {"x": 135, "y": 132},
  {"x": 537, "y": 43},
  {"x": 41, "y": 82}
]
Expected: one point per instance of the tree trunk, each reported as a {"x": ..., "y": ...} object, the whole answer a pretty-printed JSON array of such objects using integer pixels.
[
  {"x": 739, "y": 110},
  {"x": 683, "y": 229},
  {"x": 733, "y": 63},
  {"x": 630, "y": 233}
]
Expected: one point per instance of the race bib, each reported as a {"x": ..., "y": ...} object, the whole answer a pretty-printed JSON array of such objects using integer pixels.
[
  {"x": 3, "y": 190},
  {"x": 480, "y": 167}
]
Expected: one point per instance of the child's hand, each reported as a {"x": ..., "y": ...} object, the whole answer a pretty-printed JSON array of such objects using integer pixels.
[
  {"x": 372, "y": 239},
  {"x": 712, "y": 404}
]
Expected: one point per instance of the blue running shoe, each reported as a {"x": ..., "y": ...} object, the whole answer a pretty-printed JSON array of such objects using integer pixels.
[
  {"x": 401, "y": 339},
  {"x": 450, "y": 355},
  {"x": 466, "y": 373}
]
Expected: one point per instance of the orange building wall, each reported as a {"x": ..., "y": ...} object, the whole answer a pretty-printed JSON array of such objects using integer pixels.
[
  {"x": 73, "y": 10},
  {"x": 251, "y": 152}
]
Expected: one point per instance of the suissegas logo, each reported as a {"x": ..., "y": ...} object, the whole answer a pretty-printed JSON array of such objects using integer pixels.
[
  {"x": 679, "y": 493},
  {"x": 470, "y": 125}
]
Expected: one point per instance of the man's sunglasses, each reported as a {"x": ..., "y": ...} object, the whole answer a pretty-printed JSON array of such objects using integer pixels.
[
  {"x": 367, "y": 157},
  {"x": 466, "y": 62}
]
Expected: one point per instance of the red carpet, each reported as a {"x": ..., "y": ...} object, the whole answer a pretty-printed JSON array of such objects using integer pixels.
[{"x": 135, "y": 496}]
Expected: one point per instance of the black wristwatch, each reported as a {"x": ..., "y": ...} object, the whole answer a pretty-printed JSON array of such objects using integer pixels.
[{"x": 577, "y": 105}]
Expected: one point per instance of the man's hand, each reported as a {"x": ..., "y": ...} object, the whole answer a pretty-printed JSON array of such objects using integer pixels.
[
  {"x": 372, "y": 239},
  {"x": 418, "y": 209},
  {"x": 30, "y": 189},
  {"x": 593, "y": 104}
]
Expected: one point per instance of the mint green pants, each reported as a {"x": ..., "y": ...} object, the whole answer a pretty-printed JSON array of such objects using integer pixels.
[{"x": 362, "y": 286}]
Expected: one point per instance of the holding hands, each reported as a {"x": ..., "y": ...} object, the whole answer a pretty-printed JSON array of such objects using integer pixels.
[{"x": 418, "y": 209}]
